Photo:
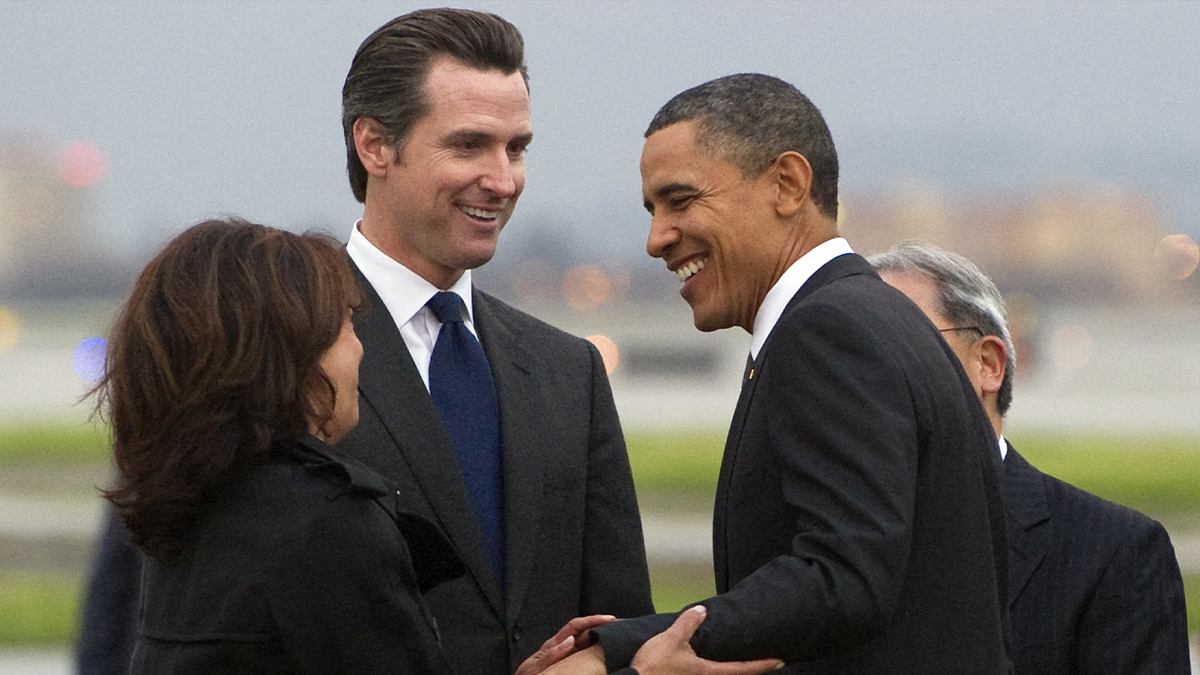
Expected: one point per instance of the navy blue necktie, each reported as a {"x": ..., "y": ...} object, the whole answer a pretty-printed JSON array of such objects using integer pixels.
[{"x": 461, "y": 385}]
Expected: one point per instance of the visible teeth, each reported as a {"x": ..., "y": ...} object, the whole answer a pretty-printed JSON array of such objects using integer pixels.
[
  {"x": 479, "y": 213},
  {"x": 686, "y": 271}
]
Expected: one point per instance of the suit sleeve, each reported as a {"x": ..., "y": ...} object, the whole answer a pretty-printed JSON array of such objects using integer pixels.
[
  {"x": 840, "y": 424},
  {"x": 616, "y": 579},
  {"x": 1136, "y": 622}
]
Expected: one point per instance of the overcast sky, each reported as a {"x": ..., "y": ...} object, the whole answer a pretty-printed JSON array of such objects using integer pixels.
[{"x": 234, "y": 107}]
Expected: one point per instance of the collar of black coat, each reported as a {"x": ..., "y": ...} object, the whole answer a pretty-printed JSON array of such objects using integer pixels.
[
  {"x": 317, "y": 458},
  {"x": 434, "y": 558}
]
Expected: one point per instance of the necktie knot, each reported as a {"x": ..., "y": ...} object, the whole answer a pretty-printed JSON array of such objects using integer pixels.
[{"x": 446, "y": 306}]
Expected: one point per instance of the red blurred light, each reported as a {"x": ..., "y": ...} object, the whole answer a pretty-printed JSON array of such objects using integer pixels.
[{"x": 82, "y": 165}]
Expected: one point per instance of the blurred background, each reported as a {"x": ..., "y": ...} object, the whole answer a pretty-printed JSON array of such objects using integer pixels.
[{"x": 1057, "y": 144}]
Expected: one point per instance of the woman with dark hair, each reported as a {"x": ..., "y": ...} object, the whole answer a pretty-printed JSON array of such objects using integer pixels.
[{"x": 231, "y": 362}]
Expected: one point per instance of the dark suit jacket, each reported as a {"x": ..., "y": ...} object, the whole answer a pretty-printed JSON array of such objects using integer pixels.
[
  {"x": 1095, "y": 587},
  {"x": 858, "y": 525},
  {"x": 297, "y": 566},
  {"x": 573, "y": 533},
  {"x": 108, "y": 622}
]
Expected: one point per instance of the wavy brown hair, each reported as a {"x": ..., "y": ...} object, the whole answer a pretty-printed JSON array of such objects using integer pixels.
[{"x": 214, "y": 356}]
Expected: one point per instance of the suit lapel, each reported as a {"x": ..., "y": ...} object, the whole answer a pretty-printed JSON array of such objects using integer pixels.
[
  {"x": 1027, "y": 508},
  {"x": 390, "y": 384},
  {"x": 840, "y": 266},
  {"x": 728, "y": 459},
  {"x": 513, "y": 369}
]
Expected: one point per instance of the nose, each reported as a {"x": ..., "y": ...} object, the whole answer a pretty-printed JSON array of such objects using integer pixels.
[
  {"x": 503, "y": 177},
  {"x": 662, "y": 236}
]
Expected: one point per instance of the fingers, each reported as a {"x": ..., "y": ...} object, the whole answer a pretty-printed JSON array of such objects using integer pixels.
[
  {"x": 550, "y": 654},
  {"x": 579, "y": 627},
  {"x": 582, "y": 623},
  {"x": 670, "y": 652},
  {"x": 568, "y": 638},
  {"x": 742, "y": 667},
  {"x": 689, "y": 620}
]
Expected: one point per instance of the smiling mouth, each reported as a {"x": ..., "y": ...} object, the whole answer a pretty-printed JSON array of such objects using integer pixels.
[
  {"x": 685, "y": 272},
  {"x": 479, "y": 213}
]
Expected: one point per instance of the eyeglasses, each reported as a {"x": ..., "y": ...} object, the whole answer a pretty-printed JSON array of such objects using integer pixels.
[{"x": 977, "y": 329}]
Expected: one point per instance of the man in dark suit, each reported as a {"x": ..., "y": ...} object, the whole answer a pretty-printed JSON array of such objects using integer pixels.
[
  {"x": 858, "y": 525},
  {"x": 436, "y": 121},
  {"x": 1094, "y": 587}
]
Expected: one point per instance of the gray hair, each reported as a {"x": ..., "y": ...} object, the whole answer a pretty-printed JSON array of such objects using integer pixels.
[
  {"x": 966, "y": 297},
  {"x": 750, "y": 119}
]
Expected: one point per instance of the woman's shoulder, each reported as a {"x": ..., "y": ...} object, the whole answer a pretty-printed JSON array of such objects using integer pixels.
[
  {"x": 298, "y": 488},
  {"x": 307, "y": 468}
]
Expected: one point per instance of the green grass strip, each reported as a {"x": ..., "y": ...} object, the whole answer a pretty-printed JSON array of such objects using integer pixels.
[
  {"x": 675, "y": 462},
  {"x": 53, "y": 443},
  {"x": 1159, "y": 475},
  {"x": 38, "y": 609}
]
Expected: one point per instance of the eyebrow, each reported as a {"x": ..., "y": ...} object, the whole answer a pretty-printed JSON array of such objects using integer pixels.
[{"x": 480, "y": 135}]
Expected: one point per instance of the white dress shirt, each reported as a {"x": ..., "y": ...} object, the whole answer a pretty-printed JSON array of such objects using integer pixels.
[
  {"x": 404, "y": 294},
  {"x": 782, "y": 292}
]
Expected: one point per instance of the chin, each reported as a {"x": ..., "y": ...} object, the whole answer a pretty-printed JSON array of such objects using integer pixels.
[
  {"x": 476, "y": 258},
  {"x": 708, "y": 324}
]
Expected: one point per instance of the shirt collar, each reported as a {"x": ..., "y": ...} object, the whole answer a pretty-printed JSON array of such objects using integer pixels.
[
  {"x": 402, "y": 291},
  {"x": 788, "y": 285}
]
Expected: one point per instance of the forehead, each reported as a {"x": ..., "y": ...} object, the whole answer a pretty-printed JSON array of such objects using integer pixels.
[
  {"x": 919, "y": 288},
  {"x": 670, "y": 156},
  {"x": 461, "y": 94}
]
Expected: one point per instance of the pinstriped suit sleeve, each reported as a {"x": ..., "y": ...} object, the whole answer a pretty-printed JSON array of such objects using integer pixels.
[{"x": 1134, "y": 623}]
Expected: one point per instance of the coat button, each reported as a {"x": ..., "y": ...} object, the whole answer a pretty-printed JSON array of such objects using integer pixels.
[{"x": 516, "y": 635}]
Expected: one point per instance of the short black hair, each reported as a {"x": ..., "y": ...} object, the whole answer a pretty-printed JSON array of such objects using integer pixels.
[{"x": 749, "y": 119}]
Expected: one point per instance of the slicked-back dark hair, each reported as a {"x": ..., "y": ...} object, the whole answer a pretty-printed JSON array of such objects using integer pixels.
[
  {"x": 387, "y": 78},
  {"x": 215, "y": 355},
  {"x": 749, "y": 119}
]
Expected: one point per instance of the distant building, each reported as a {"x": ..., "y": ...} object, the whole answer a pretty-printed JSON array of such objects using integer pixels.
[
  {"x": 1061, "y": 245},
  {"x": 47, "y": 246}
]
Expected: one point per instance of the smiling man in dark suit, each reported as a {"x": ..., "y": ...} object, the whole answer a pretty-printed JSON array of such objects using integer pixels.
[
  {"x": 515, "y": 450},
  {"x": 1094, "y": 587},
  {"x": 858, "y": 526}
]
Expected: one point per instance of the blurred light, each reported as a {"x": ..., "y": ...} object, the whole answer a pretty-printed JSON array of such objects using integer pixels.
[
  {"x": 1071, "y": 346},
  {"x": 534, "y": 281},
  {"x": 585, "y": 286},
  {"x": 82, "y": 165},
  {"x": 1178, "y": 255},
  {"x": 89, "y": 359},
  {"x": 608, "y": 351},
  {"x": 619, "y": 281},
  {"x": 1022, "y": 313},
  {"x": 10, "y": 330}
]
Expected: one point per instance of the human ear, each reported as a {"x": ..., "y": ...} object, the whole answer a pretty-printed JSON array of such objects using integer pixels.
[
  {"x": 792, "y": 177},
  {"x": 373, "y": 151},
  {"x": 993, "y": 361}
]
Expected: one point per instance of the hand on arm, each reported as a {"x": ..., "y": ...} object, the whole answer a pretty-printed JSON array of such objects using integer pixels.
[
  {"x": 571, "y": 637},
  {"x": 670, "y": 653}
]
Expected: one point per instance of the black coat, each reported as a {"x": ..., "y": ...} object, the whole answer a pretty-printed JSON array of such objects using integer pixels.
[
  {"x": 298, "y": 567},
  {"x": 858, "y": 525},
  {"x": 1095, "y": 586},
  {"x": 573, "y": 534}
]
